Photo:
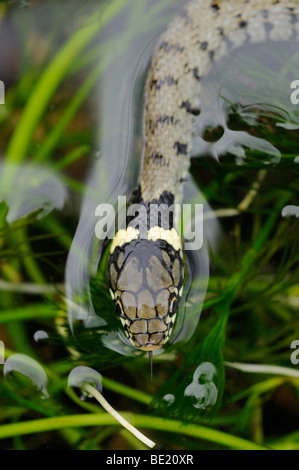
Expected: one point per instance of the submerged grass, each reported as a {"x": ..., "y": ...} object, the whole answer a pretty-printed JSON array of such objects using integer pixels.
[{"x": 250, "y": 313}]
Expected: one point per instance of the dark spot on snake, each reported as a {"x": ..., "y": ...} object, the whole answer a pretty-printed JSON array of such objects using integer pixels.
[
  {"x": 158, "y": 159},
  {"x": 160, "y": 215},
  {"x": 162, "y": 119},
  {"x": 183, "y": 180},
  {"x": 243, "y": 24},
  {"x": 215, "y": 6},
  {"x": 158, "y": 83},
  {"x": 187, "y": 105},
  {"x": 171, "y": 47},
  {"x": 180, "y": 148},
  {"x": 211, "y": 54},
  {"x": 136, "y": 195},
  {"x": 195, "y": 74},
  {"x": 166, "y": 198},
  {"x": 204, "y": 46},
  {"x": 221, "y": 31}
]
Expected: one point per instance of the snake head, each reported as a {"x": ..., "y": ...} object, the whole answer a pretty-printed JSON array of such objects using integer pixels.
[{"x": 146, "y": 280}]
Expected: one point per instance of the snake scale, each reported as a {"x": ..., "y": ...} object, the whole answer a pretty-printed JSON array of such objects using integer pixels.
[{"x": 147, "y": 273}]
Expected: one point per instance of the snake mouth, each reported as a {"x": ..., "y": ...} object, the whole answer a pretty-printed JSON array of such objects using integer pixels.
[
  {"x": 147, "y": 342},
  {"x": 149, "y": 347}
]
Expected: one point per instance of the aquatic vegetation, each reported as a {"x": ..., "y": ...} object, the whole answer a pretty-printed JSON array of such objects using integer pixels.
[{"x": 70, "y": 139}]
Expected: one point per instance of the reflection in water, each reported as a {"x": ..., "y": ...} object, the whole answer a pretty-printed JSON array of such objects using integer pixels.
[
  {"x": 30, "y": 368},
  {"x": 241, "y": 86},
  {"x": 251, "y": 83},
  {"x": 33, "y": 188},
  {"x": 202, "y": 390}
]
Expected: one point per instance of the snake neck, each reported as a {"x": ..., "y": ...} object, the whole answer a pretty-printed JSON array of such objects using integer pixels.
[{"x": 158, "y": 212}]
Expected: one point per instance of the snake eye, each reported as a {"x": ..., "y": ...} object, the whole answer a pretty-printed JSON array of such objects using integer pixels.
[
  {"x": 118, "y": 308},
  {"x": 173, "y": 305}
]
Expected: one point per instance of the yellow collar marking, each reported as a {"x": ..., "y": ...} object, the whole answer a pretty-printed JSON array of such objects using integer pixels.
[
  {"x": 154, "y": 234},
  {"x": 170, "y": 236},
  {"x": 124, "y": 236}
]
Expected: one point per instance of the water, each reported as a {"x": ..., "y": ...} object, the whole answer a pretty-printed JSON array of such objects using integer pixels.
[
  {"x": 232, "y": 90},
  {"x": 121, "y": 94},
  {"x": 251, "y": 82}
]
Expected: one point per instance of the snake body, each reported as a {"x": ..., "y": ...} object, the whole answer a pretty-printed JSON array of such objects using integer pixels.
[{"x": 146, "y": 273}]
